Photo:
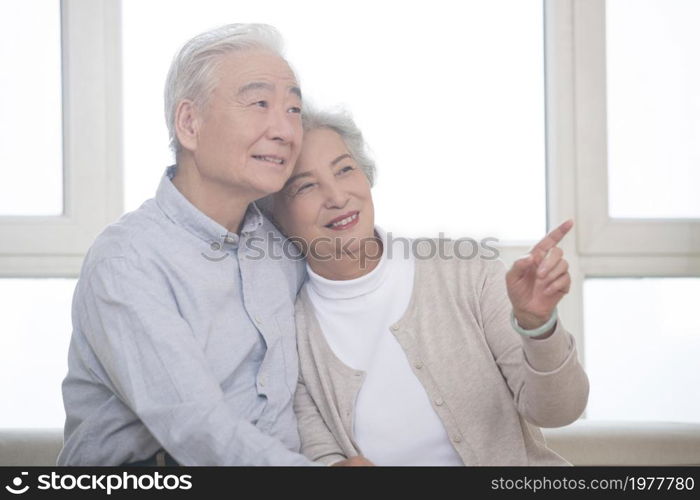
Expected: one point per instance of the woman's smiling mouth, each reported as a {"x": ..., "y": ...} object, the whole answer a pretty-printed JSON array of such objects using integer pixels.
[{"x": 344, "y": 221}]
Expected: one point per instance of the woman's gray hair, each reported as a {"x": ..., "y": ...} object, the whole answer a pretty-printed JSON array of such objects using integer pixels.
[
  {"x": 192, "y": 71},
  {"x": 341, "y": 122}
]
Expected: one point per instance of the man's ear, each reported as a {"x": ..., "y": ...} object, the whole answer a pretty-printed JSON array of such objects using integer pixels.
[{"x": 187, "y": 124}]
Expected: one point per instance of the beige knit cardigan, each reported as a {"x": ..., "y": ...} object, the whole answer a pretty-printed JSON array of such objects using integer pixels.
[{"x": 491, "y": 387}]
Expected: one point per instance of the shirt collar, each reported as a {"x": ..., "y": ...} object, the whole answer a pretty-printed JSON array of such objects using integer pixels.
[{"x": 185, "y": 214}]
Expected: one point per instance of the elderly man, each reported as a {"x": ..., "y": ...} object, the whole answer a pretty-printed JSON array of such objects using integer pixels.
[{"x": 183, "y": 347}]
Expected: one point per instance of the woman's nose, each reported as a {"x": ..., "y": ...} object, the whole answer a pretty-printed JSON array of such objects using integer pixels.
[{"x": 335, "y": 197}]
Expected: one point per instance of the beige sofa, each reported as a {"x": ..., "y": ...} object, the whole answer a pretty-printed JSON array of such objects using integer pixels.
[
  {"x": 582, "y": 443},
  {"x": 588, "y": 442}
]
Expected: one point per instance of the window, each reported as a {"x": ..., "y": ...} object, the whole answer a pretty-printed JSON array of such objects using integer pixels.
[
  {"x": 642, "y": 347},
  {"x": 31, "y": 129},
  {"x": 634, "y": 126},
  {"x": 450, "y": 98},
  {"x": 34, "y": 350},
  {"x": 61, "y": 184},
  {"x": 463, "y": 109},
  {"x": 653, "y": 108},
  {"x": 52, "y": 239},
  {"x": 604, "y": 103}
]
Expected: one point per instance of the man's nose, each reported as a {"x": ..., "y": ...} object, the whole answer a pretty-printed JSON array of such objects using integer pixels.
[{"x": 282, "y": 125}]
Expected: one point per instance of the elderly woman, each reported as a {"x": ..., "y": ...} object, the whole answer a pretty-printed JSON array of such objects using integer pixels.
[{"x": 414, "y": 358}]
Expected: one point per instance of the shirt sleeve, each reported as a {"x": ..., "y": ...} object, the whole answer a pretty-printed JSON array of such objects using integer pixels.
[
  {"x": 548, "y": 383},
  {"x": 156, "y": 367}
]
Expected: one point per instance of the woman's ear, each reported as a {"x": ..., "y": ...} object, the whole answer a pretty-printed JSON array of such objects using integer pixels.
[{"x": 187, "y": 124}]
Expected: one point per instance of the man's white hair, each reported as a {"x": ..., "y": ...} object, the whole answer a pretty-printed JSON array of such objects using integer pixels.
[{"x": 193, "y": 70}]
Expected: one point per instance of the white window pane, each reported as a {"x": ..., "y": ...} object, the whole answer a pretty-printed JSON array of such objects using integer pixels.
[
  {"x": 642, "y": 348},
  {"x": 450, "y": 96},
  {"x": 34, "y": 350},
  {"x": 653, "y": 100},
  {"x": 31, "y": 150}
]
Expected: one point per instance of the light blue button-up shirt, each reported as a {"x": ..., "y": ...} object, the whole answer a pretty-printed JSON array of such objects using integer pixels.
[{"x": 183, "y": 339}]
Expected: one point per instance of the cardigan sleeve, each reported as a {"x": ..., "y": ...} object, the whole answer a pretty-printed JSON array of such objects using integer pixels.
[
  {"x": 548, "y": 383},
  {"x": 317, "y": 441}
]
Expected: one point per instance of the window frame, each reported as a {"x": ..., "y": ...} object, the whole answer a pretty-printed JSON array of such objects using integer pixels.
[
  {"x": 577, "y": 182},
  {"x": 54, "y": 246},
  {"x": 641, "y": 245}
]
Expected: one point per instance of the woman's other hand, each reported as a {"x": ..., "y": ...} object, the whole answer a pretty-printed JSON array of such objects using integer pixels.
[
  {"x": 358, "y": 461},
  {"x": 538, "y": 281}
]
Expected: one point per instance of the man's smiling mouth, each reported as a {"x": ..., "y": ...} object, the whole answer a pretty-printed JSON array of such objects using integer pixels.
[{"x": 270, "y": 159}]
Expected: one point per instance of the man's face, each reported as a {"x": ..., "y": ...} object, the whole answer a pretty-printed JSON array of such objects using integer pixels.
[{"x": 249, "y": 134}]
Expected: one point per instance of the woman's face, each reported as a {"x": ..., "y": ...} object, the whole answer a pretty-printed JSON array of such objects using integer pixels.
[{"x": 327, "y": 201}]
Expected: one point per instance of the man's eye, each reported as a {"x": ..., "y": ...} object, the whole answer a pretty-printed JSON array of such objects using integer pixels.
[{"x": 295, "y": 109}]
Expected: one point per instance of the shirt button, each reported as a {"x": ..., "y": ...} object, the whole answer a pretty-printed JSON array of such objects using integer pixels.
[
  {"x": 257, "y": 320},
  {"x": 439, "y": 402},
  {"x": 418, "y": 365},
  {"x": 262, "y": 381}
]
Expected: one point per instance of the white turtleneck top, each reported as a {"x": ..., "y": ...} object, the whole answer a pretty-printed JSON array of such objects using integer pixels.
[{"x": 394, "y": 422}]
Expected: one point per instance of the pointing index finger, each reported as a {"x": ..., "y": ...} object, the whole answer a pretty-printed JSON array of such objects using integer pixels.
[{"x": 554, "y": 237}]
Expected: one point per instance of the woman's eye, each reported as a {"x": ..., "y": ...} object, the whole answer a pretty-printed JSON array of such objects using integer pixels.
[
  {"x": 304, "y": 187},
  {"x": 295, "y": 109},
  {"x": 346, "y": 169},
  {"x": 260, "y": 104}
]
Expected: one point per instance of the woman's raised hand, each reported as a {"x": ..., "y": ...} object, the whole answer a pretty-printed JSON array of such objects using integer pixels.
[{"x": 538, "y": 281}]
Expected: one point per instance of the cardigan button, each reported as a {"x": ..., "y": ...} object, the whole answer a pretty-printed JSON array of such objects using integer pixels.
[
  {"x": 457, "y": 439},
  {"x": 418, "y": 364},
  {"x": 439, "y": 402},
  {"x": 394, "y": 328}
]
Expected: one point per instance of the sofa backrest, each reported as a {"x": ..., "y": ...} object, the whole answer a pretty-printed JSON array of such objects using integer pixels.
[
  {"x": 584, "y": 442},
  {"x": 591, "y": 442}
]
